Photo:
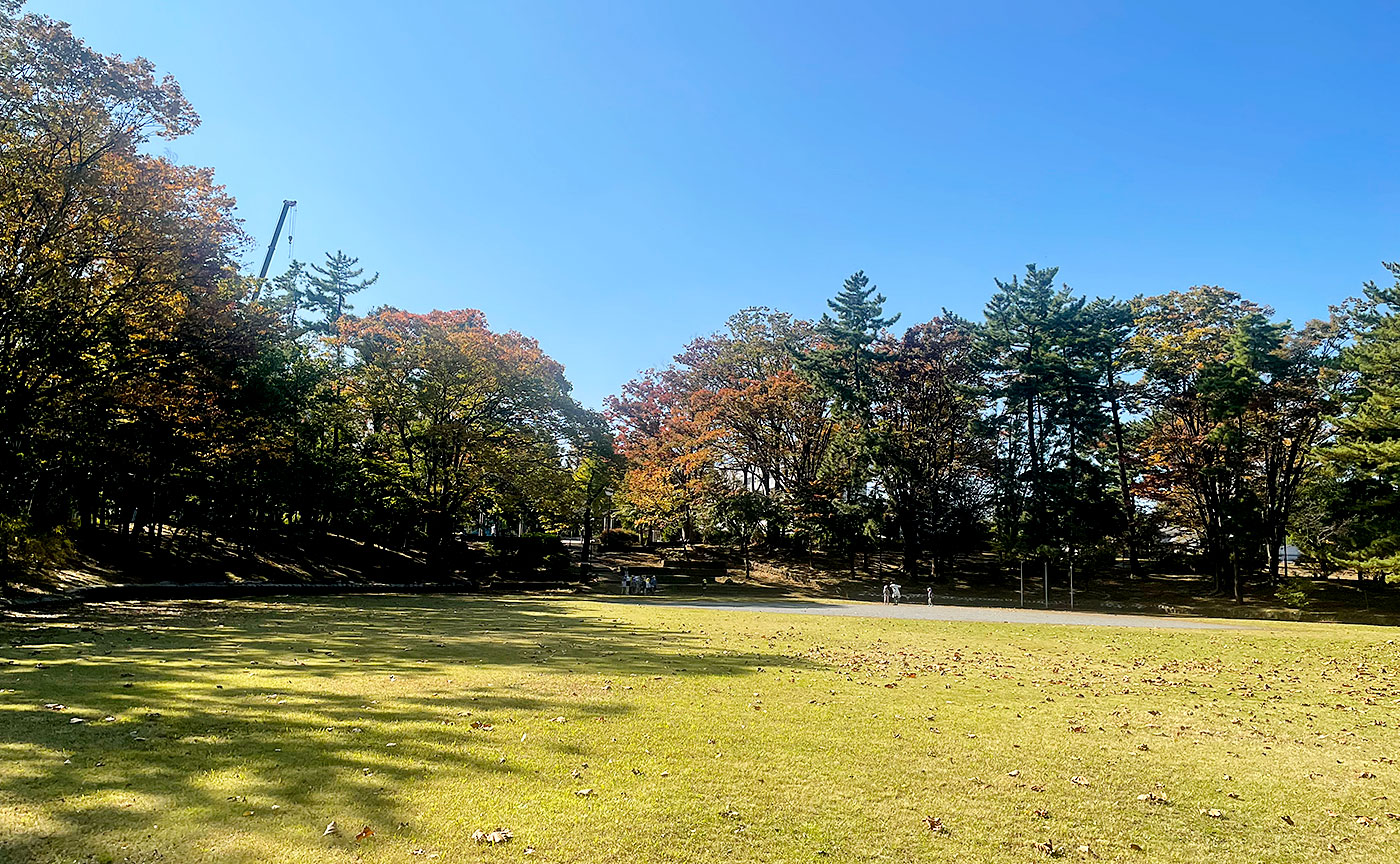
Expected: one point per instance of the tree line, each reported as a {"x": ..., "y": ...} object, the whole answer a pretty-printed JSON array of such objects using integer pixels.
[{"x": 1187, "y": 428}]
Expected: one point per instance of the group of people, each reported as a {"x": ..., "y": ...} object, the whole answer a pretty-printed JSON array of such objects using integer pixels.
[
  {"x": 638, "y": 584},
  {"x": 893, "y": 592}
]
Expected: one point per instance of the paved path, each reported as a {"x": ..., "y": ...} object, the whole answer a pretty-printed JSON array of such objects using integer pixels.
[{"x": 920, "y": 612}]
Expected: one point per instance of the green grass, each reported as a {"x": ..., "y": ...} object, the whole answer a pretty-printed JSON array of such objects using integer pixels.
[{"x": 237, "y": 731}]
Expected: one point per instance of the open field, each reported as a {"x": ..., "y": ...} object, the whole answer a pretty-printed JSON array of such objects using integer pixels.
[{"x": 236, "y": 731}]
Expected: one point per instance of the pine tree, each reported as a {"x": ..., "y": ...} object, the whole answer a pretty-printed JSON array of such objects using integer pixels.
[
  {"x": 327, "y": 291},
  {"x": 1367, "y": 450},
  {"x": 289, "y": 296},
  {"x": 842, "y": 365}
]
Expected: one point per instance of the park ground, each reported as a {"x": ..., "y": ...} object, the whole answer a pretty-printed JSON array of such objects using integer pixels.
[
  {"x": 104, "y": 567},
  {"x": 592, "y": 730}
]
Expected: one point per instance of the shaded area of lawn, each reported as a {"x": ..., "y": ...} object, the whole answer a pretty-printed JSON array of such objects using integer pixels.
[{"x": 286, "y": 699}]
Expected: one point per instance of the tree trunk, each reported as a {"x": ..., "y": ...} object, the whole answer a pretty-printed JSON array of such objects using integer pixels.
[
  {"x": 587, "y": 534},
  {"x": 1129, "y": 511},
  {"x": 909, "y": 536}
]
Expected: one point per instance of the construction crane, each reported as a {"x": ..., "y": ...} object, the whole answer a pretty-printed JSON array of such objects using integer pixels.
[{"x": 272, "y": 247}]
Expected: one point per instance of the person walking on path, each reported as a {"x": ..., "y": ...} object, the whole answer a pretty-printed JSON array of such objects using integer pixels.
[
  {"x": 894, "y": 592},
  {"x": 930, "y": 595},
  {"x": 885, "y": 592}
]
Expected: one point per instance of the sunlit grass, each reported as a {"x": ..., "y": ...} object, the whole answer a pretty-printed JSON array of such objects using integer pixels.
[{"x": 238, "y": 731}]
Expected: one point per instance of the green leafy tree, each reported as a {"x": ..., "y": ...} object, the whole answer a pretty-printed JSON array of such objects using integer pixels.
[
  {"x": 931, "y": 456},
  {"x": 594, "y": 481}
]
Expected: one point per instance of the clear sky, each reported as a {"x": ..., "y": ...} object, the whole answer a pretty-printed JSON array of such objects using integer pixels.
[{"x": 615, "y": 178}]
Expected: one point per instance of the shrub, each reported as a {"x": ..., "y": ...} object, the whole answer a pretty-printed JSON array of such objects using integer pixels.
[
  {"x": 533, "y": 552},
  {"x": 616, "y": 539},
  {"x": 1296, "y": 592},
  {"x": 25, "y": 550}
]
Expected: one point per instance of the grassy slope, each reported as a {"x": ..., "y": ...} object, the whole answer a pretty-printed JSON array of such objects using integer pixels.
[{"x": 703, "y": 736}]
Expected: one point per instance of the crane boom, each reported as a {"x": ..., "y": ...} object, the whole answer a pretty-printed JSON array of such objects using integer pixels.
[{"x": 272, "y": 247}]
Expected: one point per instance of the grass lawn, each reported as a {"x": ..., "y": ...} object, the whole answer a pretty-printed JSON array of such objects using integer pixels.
[{"x": 598, "y": 731}]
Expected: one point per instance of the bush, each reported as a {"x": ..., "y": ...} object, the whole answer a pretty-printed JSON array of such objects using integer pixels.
[
  {"x": 517, "y": 556},
  {"x": 1296, "y": 592},
  {"x": 617, "y": 539},
  {"x": 25, "y": 550}
]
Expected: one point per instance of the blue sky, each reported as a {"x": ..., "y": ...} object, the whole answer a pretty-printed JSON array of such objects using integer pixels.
[{"x": 615, "y": 178}]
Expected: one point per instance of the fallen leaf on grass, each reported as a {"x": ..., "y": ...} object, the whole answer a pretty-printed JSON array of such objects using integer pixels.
[
  {"x": 1213, "y": 813},
  {"x": 365, "y": 833},
  {"x": 1287, "y": 820},
  {"x": 1153, "y": 798},
  {"x": 499, "y": 835},
  {"x": 583, "y": 793},
  {"x": 1048, "y": 848},
  {"x": 935, "y": 825},
  {"x": 1136, "y": 847},
  {"x": 1079, "y": 781},
  {"x": 331, "y": 829}
]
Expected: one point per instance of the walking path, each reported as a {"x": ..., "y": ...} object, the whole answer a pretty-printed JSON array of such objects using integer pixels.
[{"x": 919, "y": 612}]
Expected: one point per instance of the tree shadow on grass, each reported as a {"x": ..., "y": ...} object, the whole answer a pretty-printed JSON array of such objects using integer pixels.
[{"x": 214, "y": 709}]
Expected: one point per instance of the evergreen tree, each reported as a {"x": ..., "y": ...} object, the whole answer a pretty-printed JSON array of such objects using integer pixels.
[
  {"x": 1113, "y": 329},
  {"x": 842, "y": 364},
  {"x": 1367, "y": 450},
  {"x": 289, "y": 296},
  {"x": 1045, "y": 346},
  {"x": 328, "y": 291}
]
